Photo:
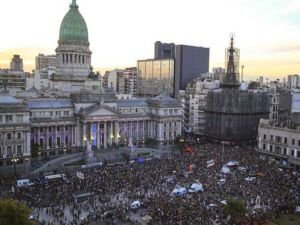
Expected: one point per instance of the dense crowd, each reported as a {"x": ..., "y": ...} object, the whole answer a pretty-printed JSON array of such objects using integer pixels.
[{"x": 114, "y": 188}]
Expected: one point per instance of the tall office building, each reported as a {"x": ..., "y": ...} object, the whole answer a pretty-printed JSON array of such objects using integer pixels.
[
  {"x": 44, "y": 62},
  {"x": 155, "y": 76},
  {"x": 190, "y": 62},
  {"x": 16, "y": 63},
  {"x": 164, "y": 50}
]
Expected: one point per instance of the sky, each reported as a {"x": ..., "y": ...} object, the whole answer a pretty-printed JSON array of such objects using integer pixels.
[{"x": 124, "y": 31}]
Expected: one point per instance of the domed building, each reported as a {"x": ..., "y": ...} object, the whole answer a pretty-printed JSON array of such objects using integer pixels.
[{"x": 73, "y": 65}]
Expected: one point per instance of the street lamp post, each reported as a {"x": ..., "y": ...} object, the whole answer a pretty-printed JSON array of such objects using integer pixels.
[{"x": 14, "y": 161}]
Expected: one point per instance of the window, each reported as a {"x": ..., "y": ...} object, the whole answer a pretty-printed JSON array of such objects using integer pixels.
[
  {"x": 9, "y": 136},
  {"x": 171, "y": 111},
  {"x": 298, "y": 142},
  {"x": 175, "y": 134},
  {"x": 175, "y": 124},
  {"x": 51, "y": 113},
  {"x": 298, "y": 154},
  {"x": 136, "y": 110},
  {"x": 9, "y": 118},
  {"x": 292, "y": 152},
  {"x": 66, "y": 128},
  {"x": 19, "y": 150},
  {"x": 285, "y": 140},
  {"x": 271, "y": 148},
  {"x": 19, "y": 118},
  {"x": 66, "y": 113},
  {"x": 165, "y": 124},
  {"x": 50, "y": 129},
  {"x": 19, "y": 135},
  {"x": 41, "y": 129},
  {"x": 293, "y": 141},
  {"x": 265, "y": 136},
  {"x": 58, "y": 128},
  {"x": 284, "y": 151},
  {"x": 264, "y": 146},
  {"x": 170, "y": 125},
  {"x": 271, "y": 138},
  {"x": 1, "y": 119},
  {"x": 9, "y": 151}
]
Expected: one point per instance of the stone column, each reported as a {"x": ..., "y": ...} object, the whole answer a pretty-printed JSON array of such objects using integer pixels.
[
  {"x": 117, "y": 132},
  {"x": 84, "y": 135},
  {"x": 98, "y": 135},
  {"x": 105, "y": 135},
  {"x": 111, "y": 133},
  {"x": 63, "y": 133},
  {"x": 38, "y": 136},
  {"x": 55, "y": 137},
  {"x": 46, "y": 139}
]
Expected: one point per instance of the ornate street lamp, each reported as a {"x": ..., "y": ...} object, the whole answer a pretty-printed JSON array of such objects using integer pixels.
[{"x": 14, "y": 161}]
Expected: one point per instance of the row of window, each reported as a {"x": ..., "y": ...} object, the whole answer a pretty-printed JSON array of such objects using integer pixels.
[
  {"x": 170, "y": 111},
  {"x": 50, "y": 129},
  {"x": 11, "y": 150},
  {"x": 283, "y": 140},
  {"x": 50, "y": 113},
  {"x": 10, "y": 118},
  {"x": 284, "y": 151},
  {"x": 170, "y": 135},
  {"x": 170, "y": 124},
  {"x": 10, "y": 136}
]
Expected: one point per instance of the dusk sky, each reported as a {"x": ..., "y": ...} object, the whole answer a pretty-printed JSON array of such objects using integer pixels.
[{"x": 123, "y": 31}]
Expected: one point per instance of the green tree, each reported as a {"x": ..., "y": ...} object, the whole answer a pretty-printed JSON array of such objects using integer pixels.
[
  {"x": 35, "y": 148},
  {"x": 236, "y": 210},
  {"x": 179, "y": 142},
  {"x": 150, "y": 142},
  {"x": 14, "y": 213}
]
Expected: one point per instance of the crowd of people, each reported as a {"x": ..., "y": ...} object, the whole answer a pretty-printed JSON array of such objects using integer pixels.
[{"x": 113, "y": 188}]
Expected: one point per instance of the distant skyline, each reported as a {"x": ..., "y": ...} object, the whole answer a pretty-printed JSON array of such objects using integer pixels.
[{"x": 122, "y": 32}]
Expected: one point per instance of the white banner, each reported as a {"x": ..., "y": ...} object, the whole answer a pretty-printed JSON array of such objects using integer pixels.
[{"x": 80, "y": 175}]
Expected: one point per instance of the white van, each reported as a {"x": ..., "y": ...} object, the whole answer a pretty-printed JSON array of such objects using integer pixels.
[{"x": 24, "y": 183}]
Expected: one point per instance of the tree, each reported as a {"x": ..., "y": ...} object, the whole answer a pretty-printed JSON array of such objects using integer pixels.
[
  {"x": 150, "y": 142},
  {"x": 14, "y": 213},
  {"x": 179, "y": 142},
  {"x": 35, "y": 148},
  {"x": 236, "y": 210}
]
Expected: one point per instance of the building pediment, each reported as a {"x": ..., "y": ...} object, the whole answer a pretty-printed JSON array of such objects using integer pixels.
[{"x": 98, "y": 110}]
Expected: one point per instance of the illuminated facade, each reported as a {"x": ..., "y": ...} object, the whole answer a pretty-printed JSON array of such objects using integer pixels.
[{"x": 155, "y": 76}]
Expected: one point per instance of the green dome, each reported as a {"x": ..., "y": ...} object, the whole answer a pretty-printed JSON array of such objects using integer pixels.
[{"x": 73, "y": 27}]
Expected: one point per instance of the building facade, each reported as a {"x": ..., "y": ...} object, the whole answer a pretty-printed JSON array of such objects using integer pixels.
[
  {"x": 164, "y": 50},
  {"x": 44, "y": 62},
  {"x": 280, "y": 144},
  {"x": 190, "y": 62},
  {"x": 61, "y": 126},
  {"x": 14, "y": 134},
  {"x": 16, "y": 63},
  {"x": 14, "y": 80},
  {"x": 155, "y": 76}
]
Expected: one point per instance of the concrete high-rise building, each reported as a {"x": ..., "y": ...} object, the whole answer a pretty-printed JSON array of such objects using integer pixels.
[
  {"x": 16, "y": 63},
  {"x": 190, "y": 62},
  {"x": 293, "y": 81},
  {"x": 164, "y": 50},
  {"x": 44, "y": 62},
  {"x": 155, "y": 76}
]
